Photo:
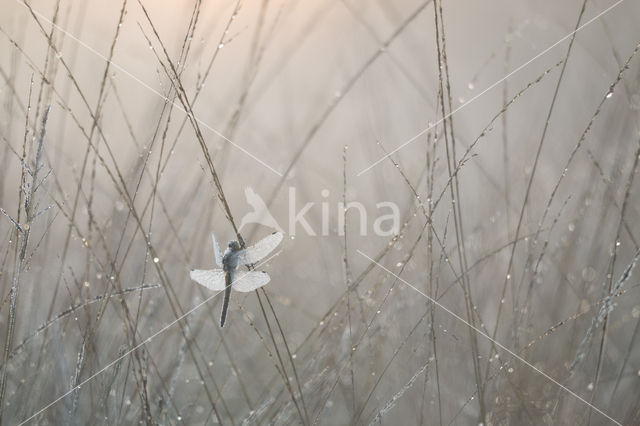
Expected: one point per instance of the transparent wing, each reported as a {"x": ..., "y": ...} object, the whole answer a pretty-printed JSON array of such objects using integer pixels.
[
  {"x": 260, "y": 250},
  {"x": 213, "y": 279},
  {"x": 216, "y": 250},
  {"x": 250, "y": 280}
]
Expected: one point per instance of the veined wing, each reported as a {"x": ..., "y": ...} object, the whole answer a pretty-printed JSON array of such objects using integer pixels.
[
  {"x": 249, "y": 280},
  {"x": 213, "y": 279},
  {"x": 216, "y": 250},
  {"x": 260, "y": 250}
]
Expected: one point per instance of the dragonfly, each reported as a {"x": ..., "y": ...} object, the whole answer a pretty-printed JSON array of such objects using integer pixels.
[{"x": 229, "y": 276}]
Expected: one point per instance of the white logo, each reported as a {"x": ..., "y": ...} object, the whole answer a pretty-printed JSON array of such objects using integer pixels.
[
  {"x": 260, "y": 213},
  {"x": 384, "y": 225}
]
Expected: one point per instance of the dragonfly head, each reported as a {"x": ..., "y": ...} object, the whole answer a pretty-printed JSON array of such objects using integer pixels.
[{"x": 233, "y": 245}]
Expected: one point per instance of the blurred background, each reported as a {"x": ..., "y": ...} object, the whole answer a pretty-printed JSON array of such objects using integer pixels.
[{"x": 508, "y": 141}]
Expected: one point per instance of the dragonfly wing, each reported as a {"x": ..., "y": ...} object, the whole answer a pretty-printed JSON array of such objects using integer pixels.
[
  {"x": 260, "y": 250},
  {"x": 250, "y": 280},
  {"x": 213, "y": 279},
  {"x": 216, "y": 250}
]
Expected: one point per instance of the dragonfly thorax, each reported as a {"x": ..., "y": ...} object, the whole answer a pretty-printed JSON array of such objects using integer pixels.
[{"x": 230, "y": 258}]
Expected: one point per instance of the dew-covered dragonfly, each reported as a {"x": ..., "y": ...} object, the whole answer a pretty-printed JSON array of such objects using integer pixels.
[{"x": 230, "y": 276}]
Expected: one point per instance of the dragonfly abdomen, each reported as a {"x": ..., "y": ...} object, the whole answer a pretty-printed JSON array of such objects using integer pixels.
[{"x": 228, "y": 279}]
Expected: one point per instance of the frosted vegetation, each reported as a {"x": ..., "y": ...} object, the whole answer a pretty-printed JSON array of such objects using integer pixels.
[{"x": 506, "y": 133}]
